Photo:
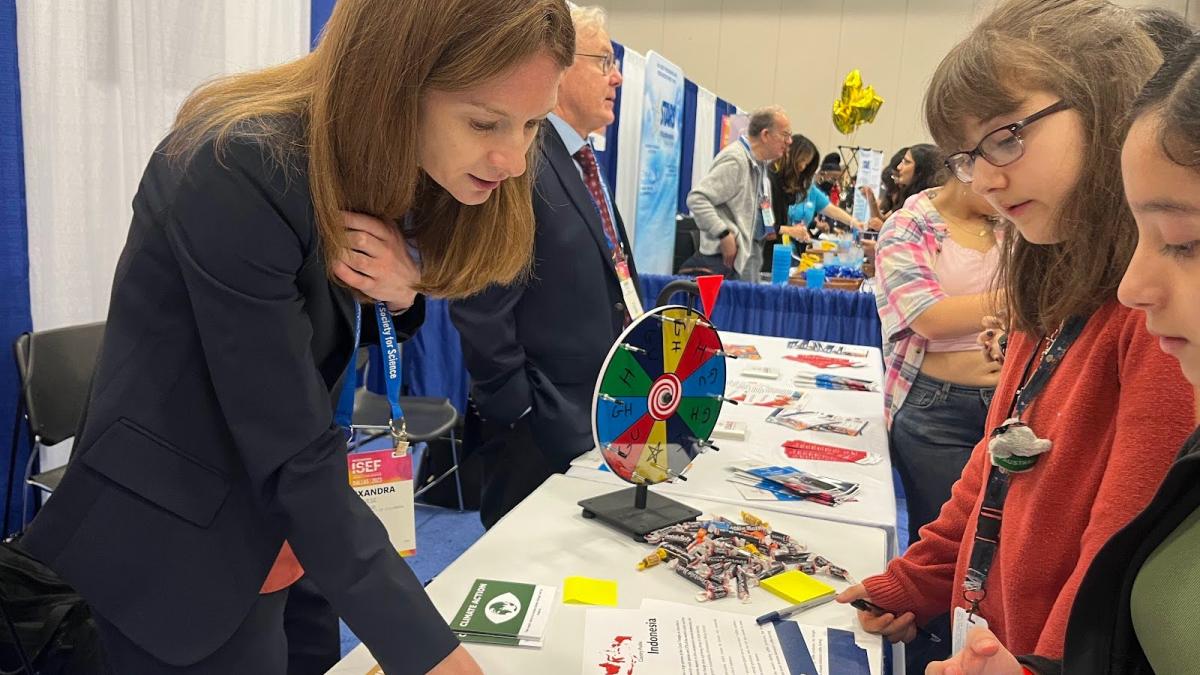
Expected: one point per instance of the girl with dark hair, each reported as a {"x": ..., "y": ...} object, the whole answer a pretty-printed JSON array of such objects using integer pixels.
[
  {"x": 912, "y": 170},
  {"x": 1169, "y": 29},
  {"x": 920, "y": 169},
  {"x": 1135, "y": 609},
  {"x": 795, "y": 200},
  {"x": 1088, "y": 411}
]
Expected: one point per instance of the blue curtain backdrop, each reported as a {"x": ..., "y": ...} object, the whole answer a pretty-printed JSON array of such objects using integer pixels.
[
  {"x": 787, "y": 311},
  {"x": 14, "y": 246},
  {"x": 319, "y": 14},
  {"x": 690, "y": 92},
  {"x": 433, "y": 364}
]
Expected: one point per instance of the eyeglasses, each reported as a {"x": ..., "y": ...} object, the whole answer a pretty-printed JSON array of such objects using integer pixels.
[
  {"x": 1000, "y": 147},
  {"x": 608, "y": 62}
]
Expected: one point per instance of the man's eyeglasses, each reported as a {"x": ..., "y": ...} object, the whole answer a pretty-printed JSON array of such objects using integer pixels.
[
  {"x": 1000, "y": 147},
  {"x": 608, "y": 62}
]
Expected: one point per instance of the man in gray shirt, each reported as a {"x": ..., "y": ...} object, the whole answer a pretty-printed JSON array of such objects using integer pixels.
[{"x": 732, "y": 204}]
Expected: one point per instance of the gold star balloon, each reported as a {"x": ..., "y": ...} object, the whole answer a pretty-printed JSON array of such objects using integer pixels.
[{"x": 857, "y": 106}]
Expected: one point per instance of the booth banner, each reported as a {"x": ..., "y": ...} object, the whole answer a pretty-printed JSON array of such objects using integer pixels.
[
  {"x": 629, "y": 140},
  {"x": 705, "y": 150},
  {"x": 870, "y": 175},
  {"x": 733, "y": 127},
  {"x": 658, "y": 166}
]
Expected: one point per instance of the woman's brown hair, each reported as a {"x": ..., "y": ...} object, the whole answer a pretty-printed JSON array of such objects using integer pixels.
[
  {"x": 798, "y": 165},
  {"x": 356, "y": 98},
  {"x": 1093, "y": 55}
]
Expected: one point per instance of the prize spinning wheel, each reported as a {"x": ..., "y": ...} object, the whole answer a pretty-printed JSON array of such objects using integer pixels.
[{"x": 659, "y": 395}]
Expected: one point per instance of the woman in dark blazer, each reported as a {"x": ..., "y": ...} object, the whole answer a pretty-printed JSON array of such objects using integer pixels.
[
  {"x": 1135, "y": 610},
  {"x": 208, "y": 453}
]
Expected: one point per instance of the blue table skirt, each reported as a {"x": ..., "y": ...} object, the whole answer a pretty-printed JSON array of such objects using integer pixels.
[{"x": 433, "y": 363}]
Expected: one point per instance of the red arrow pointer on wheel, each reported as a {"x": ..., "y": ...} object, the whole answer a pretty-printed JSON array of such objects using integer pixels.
[{"x": 710, "y": 288}]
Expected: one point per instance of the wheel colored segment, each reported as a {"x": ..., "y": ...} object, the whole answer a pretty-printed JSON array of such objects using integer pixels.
[
  {"x": 655, "y": 462},
  {"x": 700, "y": 415},
  {"x": 625, "y": 376},
  {"x": 624, "y": 453},
  {"x": 709, "y": 379},
  {"x": 675, "y": 336},
  {"x": 703, "y": 345},
  {"x": 646, "y": 337},
  {"x": 615, "y": 417},
  {"x": 683, "y": 441}
]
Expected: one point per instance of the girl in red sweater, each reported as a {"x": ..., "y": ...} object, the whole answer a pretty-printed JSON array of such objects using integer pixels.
[
  {"x": 1030, "y": 107},
  {"x": 1134, "y": 613}
]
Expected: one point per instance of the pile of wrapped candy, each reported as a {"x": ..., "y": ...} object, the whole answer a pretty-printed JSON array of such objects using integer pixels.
[{"x": 725, "y": 559}]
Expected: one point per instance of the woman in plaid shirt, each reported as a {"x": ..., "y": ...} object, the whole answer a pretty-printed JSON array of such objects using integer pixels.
[{"x": 935, "y": 262}]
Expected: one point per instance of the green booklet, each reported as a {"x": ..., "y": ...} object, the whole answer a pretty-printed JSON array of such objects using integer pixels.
[{"x": 504, "y": 612}]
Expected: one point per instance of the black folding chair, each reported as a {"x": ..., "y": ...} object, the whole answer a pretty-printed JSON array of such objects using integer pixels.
[
  {"x": 54, "y": 368},
  {"x": 687, "y": 241}
]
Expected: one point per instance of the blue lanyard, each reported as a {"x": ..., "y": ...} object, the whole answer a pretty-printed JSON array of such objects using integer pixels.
[
  {"x": 761, "y": 166},
  {"x": 389, "y": 347}
]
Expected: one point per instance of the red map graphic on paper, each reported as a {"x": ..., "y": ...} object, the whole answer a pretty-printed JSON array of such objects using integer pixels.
[{"x": 619, "y": 658}]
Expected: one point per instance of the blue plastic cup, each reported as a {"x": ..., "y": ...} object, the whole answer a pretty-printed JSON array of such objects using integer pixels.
[
  {"x": 815, "y": 277},
  {"x": 781, "y": 263}
]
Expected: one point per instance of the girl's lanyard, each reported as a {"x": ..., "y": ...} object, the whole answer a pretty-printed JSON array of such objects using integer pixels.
[
  {"x": 1014, "y": 448},
  {"x": 390, "y": 348}
]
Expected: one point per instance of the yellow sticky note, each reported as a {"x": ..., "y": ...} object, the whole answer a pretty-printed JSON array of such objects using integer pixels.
[
  {"x": 587, "y": 591},
  {"x": 796, "y": 587}
]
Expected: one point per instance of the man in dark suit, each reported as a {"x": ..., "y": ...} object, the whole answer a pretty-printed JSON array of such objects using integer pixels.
[{"x": 534, "y": 350}]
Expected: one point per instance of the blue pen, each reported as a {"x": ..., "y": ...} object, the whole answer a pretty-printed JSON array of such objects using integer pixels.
[{"x": 787, "y": 612}]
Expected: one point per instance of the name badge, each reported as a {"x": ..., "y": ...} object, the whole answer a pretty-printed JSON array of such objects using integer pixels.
[
  {"x": 768, "y": 216},
  {"x": 633, "y": 304},
  {"x": 962, "y": 624},
  {"x": 384, "y": 481}
]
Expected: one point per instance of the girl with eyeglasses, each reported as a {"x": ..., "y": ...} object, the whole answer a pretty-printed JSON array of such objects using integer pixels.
[
  {"x": 1135, "y": 607},
  {"x": 1088, "y": 411}
]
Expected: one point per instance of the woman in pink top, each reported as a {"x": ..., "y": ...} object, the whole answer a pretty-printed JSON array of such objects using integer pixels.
[{"x": 935, "y": 263}]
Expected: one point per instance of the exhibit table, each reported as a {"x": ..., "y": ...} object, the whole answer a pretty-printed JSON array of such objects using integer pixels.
[{"x": 546, "y": 539}]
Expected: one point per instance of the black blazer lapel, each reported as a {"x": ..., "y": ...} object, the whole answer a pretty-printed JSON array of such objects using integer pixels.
[{"x": 555, "y": 154}]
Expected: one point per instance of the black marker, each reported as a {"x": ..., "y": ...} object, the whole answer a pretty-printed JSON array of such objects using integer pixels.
[{"x": 868, "y": 606}]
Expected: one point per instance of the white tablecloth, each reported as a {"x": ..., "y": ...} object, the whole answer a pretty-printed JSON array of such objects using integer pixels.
[
  {"x": 545, "y": 539},
  {"x": 708, "y": 477}
]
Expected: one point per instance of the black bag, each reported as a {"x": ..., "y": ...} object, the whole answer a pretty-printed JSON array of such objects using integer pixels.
[{"x": 52, "y": 622}]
